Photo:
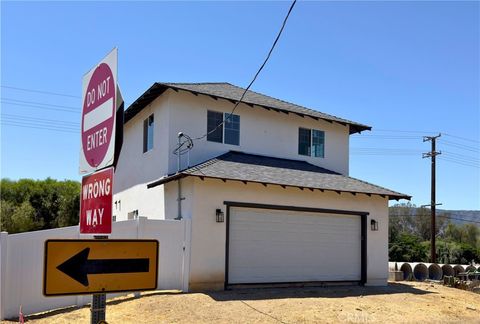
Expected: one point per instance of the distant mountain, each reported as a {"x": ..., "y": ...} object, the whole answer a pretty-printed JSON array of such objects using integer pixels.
[{"x": 457, "y": 216}]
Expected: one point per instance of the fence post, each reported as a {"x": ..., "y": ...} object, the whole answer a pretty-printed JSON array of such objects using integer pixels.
[
  {"x": 3, "y": 272},
  {"x": 82, "y": 300},
  {"x": 141, "y": 223}
]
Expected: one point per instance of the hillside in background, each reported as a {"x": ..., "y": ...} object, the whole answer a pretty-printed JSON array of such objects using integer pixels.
[
  {"x": 462, "y": 216},
  {"x": 457, "y": 234}
]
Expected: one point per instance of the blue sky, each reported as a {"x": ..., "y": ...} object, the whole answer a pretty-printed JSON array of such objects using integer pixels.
[{"x": 408, "y": 69}]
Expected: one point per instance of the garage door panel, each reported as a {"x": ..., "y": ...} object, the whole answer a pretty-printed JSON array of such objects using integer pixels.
[{"x": 286, "y": 246}]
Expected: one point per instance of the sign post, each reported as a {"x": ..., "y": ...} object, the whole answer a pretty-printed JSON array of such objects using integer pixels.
[{"x": 99, "y": 148}]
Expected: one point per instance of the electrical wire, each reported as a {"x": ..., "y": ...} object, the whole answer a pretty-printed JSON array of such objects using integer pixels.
[
  {"x": 38, "y": 103},
  {"x": 40, "y": 91},
  {"x": 477, "y": 166},
  {"x": 386, "y": 137},
  {"x": 41, "y": 107},
  {"x": 34, "y": 123},
  {"x": 189, "y": 145},
  {"x": 16, "y": 124},
  {"x": 402, "y": 131},
  {"x": 459, "y": 146},
  {"x": 254, "y": 78},
  {"x": 443, "y": 216},
  {"x": 27, "y": 118},
  {"x": 462, "y": 138},
  {"x": 460, "y": 156}
]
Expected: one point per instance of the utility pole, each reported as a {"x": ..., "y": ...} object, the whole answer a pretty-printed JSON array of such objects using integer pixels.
[{"x": 432, "y": 154}]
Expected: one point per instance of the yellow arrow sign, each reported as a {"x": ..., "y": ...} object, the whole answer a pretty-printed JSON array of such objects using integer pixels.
[{"x": 75, "y": 267}]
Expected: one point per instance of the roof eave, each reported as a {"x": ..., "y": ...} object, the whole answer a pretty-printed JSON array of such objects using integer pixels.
[
  {"x": 158, "y": 88},
  {"x": 181, "y": 175},
  {"x": 165, "y": 180}
]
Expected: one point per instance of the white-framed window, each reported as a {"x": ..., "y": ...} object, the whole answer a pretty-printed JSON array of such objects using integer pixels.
[
  {"x": 148, "y": 125},
  {"x": 229, "y": 130},
  {"x": 311, "y": 142}
]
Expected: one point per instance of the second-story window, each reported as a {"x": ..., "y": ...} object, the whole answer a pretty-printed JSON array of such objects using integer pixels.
[
  {"x": 311, "y": 142},
  {"x": 232, "y": 129},
  {"x": 148, "y": 134},
  {"x": 228, "y": 132},
  {"x": 215, "y": 132}
]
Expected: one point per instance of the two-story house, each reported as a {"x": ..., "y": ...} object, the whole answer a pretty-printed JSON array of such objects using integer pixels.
[{"x": 267, "y": 190}]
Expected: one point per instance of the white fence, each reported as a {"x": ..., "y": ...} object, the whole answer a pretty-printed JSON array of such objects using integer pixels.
[{"x": 21, "y": 262}]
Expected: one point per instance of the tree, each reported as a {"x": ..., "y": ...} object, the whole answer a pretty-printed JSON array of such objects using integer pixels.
[
  {"x": 23, "y": 219},
  {"x": 38, "y": 204},
  {"x": 7, "y": 209},
  {"x": 69, "y": 204},
  {"x": 407, "y": 248}
]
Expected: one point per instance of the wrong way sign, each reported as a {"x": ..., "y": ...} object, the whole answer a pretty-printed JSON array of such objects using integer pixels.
[
  {"x": 99, "y": 94},
  {"x": 73, "y": 267},
  {"x": 96, "y": 203}
]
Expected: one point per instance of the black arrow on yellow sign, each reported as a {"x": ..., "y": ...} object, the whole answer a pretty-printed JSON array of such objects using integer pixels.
[{"x": 79, "y": 266}]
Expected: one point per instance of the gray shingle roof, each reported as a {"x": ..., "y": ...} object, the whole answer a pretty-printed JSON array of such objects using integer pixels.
[
  {"x": 269, "y": 170},
  {"x": 233, "y": 93}
]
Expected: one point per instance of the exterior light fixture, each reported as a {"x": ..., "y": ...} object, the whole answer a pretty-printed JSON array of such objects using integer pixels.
[
  {"x": 219, "y": 216},
  {"x": 374, "y": 225}
]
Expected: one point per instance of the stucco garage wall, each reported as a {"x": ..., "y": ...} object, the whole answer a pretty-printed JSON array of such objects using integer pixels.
[{"x": 207, "y": 264}]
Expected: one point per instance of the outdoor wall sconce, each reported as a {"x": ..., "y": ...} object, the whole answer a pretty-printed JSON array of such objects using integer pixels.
[
  {"x": 374, "y": 225},
  {"x": 219, "y": 216}
]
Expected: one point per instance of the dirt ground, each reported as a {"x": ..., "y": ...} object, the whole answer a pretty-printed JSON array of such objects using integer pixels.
[{"x": 406, "y": 302}]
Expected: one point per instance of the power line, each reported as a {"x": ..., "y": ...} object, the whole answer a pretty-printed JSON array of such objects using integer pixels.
[
  {"x": 461, "y": 156},
  {"x": 401, "y": 131},
  {"x": 33, "y": 123},
  {"x": 385, "y": 149},
  {"x": 456, "y": 159},
  {"x": 41, "y": 107},
  {"x": 462, "y": 138},
  {"x": 39, "y": 103},
  {"x": 255, "y": 77},
  {"x": 16, "y": 124},
  {"x": 387, "y": 136},
  {"x": 443, "y": 216},
  {"x": 461, "y": 146},
  {"x": 459, "y": 162},
  {"x": 35, "y": 119},
  {"x": 41, "y": 91}
]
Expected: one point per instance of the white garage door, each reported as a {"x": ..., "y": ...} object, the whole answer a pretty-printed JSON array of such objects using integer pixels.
[{"x": 268, "y": 246}]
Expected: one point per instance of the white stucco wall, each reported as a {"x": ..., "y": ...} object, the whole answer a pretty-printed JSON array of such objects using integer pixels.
[
  {"x": 207, "y": 263},
  {"x": 261, "y": 132},
  {"x": 136, "y": 169}
]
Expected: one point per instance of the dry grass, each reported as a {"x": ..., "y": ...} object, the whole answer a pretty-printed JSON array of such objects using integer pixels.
[{"x": 406, "y": 302}]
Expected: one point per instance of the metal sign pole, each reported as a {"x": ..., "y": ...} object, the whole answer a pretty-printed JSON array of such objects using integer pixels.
[{"x": 99, "y": 301}]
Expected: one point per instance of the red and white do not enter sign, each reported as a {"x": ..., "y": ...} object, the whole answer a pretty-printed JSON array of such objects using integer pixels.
[{"x": 98, "y": 118}]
